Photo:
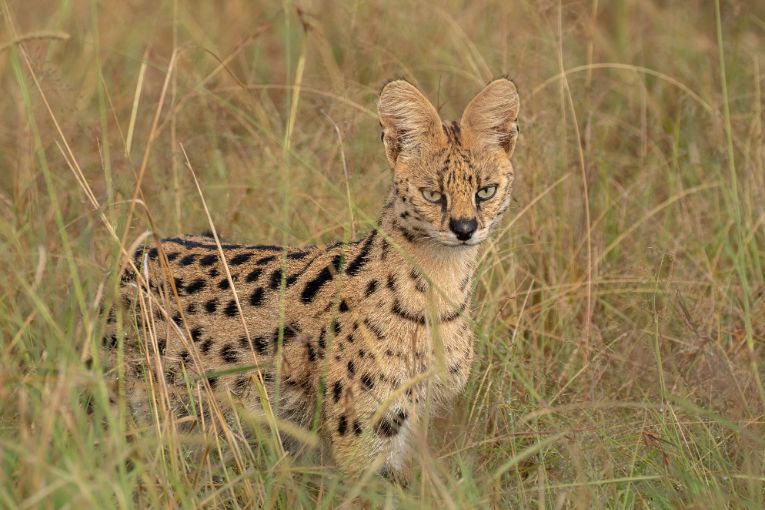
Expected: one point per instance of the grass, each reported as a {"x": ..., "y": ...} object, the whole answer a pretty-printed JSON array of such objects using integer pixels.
[{"x": 620, "y": 311}]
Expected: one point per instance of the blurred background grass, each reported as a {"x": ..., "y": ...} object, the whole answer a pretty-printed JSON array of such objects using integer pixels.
[{"x": 620, "y": 311}]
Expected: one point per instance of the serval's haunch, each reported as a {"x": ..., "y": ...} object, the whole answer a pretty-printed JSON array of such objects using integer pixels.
[{"x": 355, "y": 333}]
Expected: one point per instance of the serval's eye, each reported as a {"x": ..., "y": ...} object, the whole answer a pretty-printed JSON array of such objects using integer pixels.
[
  {"x": 431, "y": 196},
  {"x": 486, "y": 192}
]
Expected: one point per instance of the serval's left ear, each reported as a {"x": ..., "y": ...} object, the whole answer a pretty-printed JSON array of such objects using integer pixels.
[{"x": 491, "y": 118}]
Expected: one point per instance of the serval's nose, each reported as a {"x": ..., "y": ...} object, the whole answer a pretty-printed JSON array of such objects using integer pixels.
[{"x": 463, "y": 228}]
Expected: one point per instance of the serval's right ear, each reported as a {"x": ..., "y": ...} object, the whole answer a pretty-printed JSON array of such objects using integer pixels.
[{"x": 408, "y": 120}]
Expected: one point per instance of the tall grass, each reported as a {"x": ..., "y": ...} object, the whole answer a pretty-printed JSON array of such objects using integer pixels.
[{"x": 620, "y": 311}]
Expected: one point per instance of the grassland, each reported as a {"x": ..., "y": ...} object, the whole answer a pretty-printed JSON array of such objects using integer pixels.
[{"x": 620, "y": 312}]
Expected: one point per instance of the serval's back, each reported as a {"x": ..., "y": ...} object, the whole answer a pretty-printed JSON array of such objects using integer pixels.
[{"x": 355, "y": 333}]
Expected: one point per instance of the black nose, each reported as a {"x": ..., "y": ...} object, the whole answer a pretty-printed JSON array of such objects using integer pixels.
[{"x": 463, "y": 228}]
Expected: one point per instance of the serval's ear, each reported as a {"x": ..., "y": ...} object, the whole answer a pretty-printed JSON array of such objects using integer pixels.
[
  {"x": 409, "y": 121},
  {"x": 490, "y": 120}
]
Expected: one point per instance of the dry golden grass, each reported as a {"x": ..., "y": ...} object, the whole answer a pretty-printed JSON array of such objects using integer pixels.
[{"x": 620, "y": 311}]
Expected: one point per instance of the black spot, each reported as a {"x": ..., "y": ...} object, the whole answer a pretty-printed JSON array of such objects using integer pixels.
[
  {"x": 404, "y": 314},
  {"x": 231, "y": 309},
  {"x": 259, "y": 343},
  {"x": 420, "y": 319},
  {"x": 161, "y": 345},
  {"x": 172, "y": 256},
  {"x": 389, "y": 353},
  {"x": 336, "y": 326},
  {"x": 356, "y": 427},
  {"x": 350, "y": 338},
  {"x": 206, "y": 345},
  {"x": 419, "y": 284},
  {"x": 265, "y": 260},
  {"x": 177, "y": 319},
  {"x": 384, "y": 247},
  {"x": 290, "y": 280},
  {"x": 196, "y": 334},
  {"x": 213, "y": 273},
  {"x": 337, "y": 260},
  {"x": 391, "y": 282},
  {"x": 408, "y": 235},
  {"x": 213, "y": 382},
  {"x": 367, "y": 382},
  {"x": 195, "y": 286},
  {"x": 191, "y": 308},
  {"x": 276, "y": 279},
  {"x": 297, "y": 255},
  {"x": 290, "y": 331},
  {"x": 362, "y": 353},
  {"x": 185, "y": 356},
  {"x": 208, "y": 260},
  {"x": 375, "y": 329},
  {"x": 390, "y": 428},
  {"x": 343, "y": 306},
  {"x": 253, "y": 275},
  {"x": 223, "y": 284},
  {"x": 355, "y": 325},
  {"x": 211, "y": 305},
  {"x": 153, "y": 254},
  {"x": 342, "y": 425},
  {"x": 241, "y": 258},
  {"x": 363, "y": 257},
  {"x": 229, "y": 354},
  {"x": 385, "y": 429},
  {"x": 256, "y": 298},
  {"x": 454, "y": 369},
  {"x": 371, "y": 288},
  {"x": 322, "y": 343},
  {"x": 188, "y": 259},
  {"x": 337, "y": 391},
  {"x": 310, "y": 352},
  {"x": 351, "y": 369},
  {"x": 178, "y": 284},
  {"x": 207, "y": 233},
  {"x": 313, "y": 286},
  {"x": 241, "y": 384}
]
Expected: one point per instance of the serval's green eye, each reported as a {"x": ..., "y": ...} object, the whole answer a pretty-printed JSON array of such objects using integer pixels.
[
  {"x": 486, "y": 192},
  {"x": 431, "y": 196}
]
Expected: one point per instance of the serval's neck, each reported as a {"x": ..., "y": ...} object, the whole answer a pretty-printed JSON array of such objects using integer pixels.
[{"x": 449, "y": 268}]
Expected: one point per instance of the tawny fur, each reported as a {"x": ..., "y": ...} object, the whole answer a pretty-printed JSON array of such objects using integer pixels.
[{"x": 342, "y": 330}]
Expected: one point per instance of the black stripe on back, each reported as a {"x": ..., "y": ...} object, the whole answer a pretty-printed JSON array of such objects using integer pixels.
[{"x": 363, "y": 257}]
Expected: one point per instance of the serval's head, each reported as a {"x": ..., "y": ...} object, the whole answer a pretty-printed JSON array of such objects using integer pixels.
[{"x": 452, "y": 181}]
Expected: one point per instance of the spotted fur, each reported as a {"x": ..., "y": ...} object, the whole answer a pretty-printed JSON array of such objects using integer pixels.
[{"x": 357, "y": 332}]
